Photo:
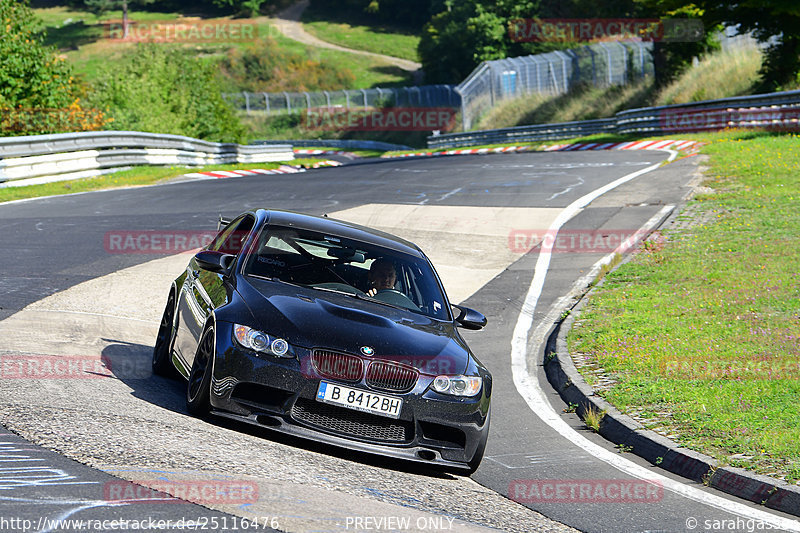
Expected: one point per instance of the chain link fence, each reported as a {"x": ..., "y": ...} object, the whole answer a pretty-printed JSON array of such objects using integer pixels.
[
  {"x": 294, "y": 102},
  {"x": 600, "y": 64}
]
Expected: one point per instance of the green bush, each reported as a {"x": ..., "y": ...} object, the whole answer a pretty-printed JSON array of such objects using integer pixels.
[
  {"x": 166, "y": 90},
  {"x": 37, "y": 91},
  {"x": 265, "y": 67}
]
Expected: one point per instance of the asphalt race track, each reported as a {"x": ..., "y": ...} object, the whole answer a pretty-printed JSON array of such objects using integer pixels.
[{"x": 69, "y": 294}]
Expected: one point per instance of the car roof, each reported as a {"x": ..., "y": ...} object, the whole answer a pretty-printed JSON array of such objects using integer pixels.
[{"x": 341, "y": 228}]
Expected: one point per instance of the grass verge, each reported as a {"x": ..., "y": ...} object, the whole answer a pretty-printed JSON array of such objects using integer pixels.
[
  {"x": 702, "y": 336},
  {"x": 136, "y": 176},
  {"x": 379, "y": 40},
  {"x": 738, "y": 67},
  {"x": 353, "y": 28}
]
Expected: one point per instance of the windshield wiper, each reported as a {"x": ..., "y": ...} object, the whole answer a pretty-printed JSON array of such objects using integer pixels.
[
  {"x": 279, "y": 280},
  {"x": 359, "y": 297},
  {"x": 328, "y": 289}
]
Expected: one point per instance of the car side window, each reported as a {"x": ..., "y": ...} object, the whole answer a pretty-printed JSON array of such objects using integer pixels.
[{"x": 232, "y": 238}]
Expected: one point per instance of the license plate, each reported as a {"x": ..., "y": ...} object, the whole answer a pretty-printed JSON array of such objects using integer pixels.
[{"x": 360, "y": 400}]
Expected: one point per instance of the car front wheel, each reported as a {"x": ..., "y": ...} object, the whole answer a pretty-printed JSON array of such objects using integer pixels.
[
  {"x": 475, "y": 462},
  {"x": 162, "y": 351},
  {"x": 197, "y": 391}
]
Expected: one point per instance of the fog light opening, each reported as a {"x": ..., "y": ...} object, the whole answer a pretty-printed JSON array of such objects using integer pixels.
[{"x": 426, "y": 454}]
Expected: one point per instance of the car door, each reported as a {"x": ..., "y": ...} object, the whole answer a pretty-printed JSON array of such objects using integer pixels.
[{"x": 203, "y": 290}]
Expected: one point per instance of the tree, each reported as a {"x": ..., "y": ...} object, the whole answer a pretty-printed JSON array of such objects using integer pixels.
[
  {"x": 250, "y": 7},
  {"x": 104, "y": 6},
  {"x": 37, "y": 91},
  {"x": 166, "y": 90},
  {"x": 672, "y": 56},
  {"x": 31, "y": 74},
  {"x": 466, "y": 32}
]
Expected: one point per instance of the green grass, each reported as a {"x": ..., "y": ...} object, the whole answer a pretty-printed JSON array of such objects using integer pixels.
[
  {"x": 380, "y": 40},
  {"x": 134, "y": 177},
  {"x": 369, "y": 72},
  {"x": 353, "y": 28},
  {"x": 719, "y": 75},
  {"x": 83, "y": 41},
  {"x": 702, "y": 335},
  {"x": 583, "y": 102}
]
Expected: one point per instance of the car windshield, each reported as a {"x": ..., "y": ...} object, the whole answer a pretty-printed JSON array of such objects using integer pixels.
[{"x": 332, "y": 263}]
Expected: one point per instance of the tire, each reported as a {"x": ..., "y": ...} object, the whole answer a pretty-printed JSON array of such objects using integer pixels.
[
  {"x": 475, "y": 462},
  {"x": 162, "y": 351},
  {"x": 199, "y": 386}
]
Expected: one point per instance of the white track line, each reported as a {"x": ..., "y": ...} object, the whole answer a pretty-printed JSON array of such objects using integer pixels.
[{"x": 529, "y": 389}]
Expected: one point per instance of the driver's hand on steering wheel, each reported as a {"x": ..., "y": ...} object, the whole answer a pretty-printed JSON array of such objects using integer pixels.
[{"x": 382, "y": 275}]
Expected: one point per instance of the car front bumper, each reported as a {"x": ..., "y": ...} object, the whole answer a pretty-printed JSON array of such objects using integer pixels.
[{"x": 280, "y": 394}]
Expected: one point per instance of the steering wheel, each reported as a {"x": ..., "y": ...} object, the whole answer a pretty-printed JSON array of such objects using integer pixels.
[
  {"x": 395, "y": 297},
  {"x": 392, "y": 290}
]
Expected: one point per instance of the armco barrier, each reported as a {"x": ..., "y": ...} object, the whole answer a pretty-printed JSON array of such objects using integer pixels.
[
  {"x": 538, "y": 132},
  {"x": 774, "y": 111},
  {"x": 63, "y": 156},
  {"x": 346, "y": 144}
]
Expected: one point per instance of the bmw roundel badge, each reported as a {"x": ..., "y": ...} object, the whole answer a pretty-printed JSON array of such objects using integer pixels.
[{"x": 369, "y": 351}]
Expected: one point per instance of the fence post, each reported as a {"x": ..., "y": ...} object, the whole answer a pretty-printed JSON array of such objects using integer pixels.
[
  {"x": 308, "y": 100},
  {"x": 327, "y": 98},
  {"x": 625, "y": 75},
  {"x": 246, "y": 102},
  {"x": 266, "y": 103},
  {"x": 364, "y": 92},
  {"x": 463, "y": 109},
  {"x": 641, "y": 59},
  {"x": 346, "y": 98},
  {"x": 608, "y": 63},
  {"x": 552, "y": 70}
]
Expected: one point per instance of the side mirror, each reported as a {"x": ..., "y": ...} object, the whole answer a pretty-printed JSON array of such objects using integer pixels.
[
  {"x": 214, "y": 261},
  {"x": 469, "y": 318}
]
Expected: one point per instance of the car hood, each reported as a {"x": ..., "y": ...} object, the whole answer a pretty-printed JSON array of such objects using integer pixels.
[{"x": 310, "y": 319}]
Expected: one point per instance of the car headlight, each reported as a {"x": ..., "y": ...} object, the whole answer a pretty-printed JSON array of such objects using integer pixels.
[
  {"x": 261, "y": 342},
  {"x": 457, "y": 385}
]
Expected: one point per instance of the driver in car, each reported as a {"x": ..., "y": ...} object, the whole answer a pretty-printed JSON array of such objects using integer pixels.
[{"x": 382, "y": 275}]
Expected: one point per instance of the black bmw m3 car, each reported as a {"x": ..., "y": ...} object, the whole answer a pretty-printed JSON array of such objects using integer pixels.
[{"x": 330, "y": 331}]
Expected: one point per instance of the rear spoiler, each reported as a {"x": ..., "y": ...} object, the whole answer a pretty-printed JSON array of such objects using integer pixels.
[{"x": 223, "y": 222}]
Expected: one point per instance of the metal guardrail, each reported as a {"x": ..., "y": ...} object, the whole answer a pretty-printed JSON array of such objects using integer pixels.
[
  {"x": 539, "y": 132},
  {"x": 345, "y": 144},
  {"x": 46, "y": 158},
  {"x": 773, "y": 110}
]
